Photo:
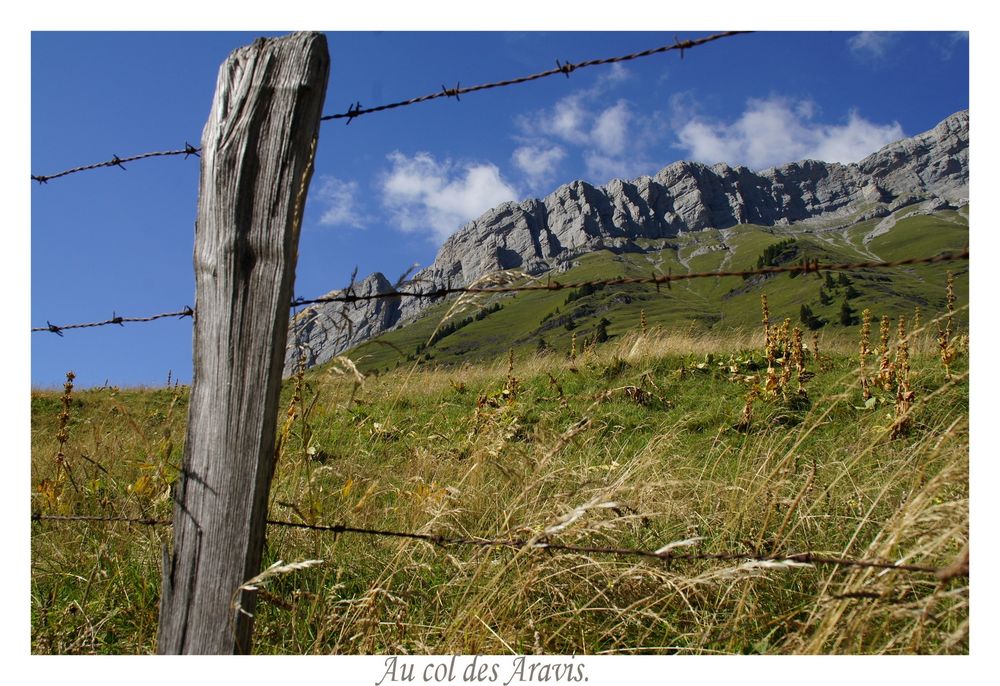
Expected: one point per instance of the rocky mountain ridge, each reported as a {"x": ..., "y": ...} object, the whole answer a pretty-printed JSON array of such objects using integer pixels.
[{"x": 928, "y": 171}]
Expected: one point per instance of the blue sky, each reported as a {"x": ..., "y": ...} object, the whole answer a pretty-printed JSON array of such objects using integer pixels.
[{"x": 391, "y": 186}]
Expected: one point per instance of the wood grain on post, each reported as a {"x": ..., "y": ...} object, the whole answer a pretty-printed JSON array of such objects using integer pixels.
[{"x": 257, "y": 159}]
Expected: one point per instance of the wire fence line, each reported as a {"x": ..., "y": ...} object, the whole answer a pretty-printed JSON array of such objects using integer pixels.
[
  {"x": 116, "y": 161},
  {"x": 348, "y": 296},
  {"x": 667, "y": 554},
  {"x": 804, "y": 267},
  {"x": 567, "y": 68},
  {"x": 121, "y": 321},
  {"x": 356, "y": 110}
]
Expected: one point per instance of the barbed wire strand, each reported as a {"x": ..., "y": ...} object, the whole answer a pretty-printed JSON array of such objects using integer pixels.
[
  {"x": 567, "y": 68},
  {"x": 116, "y": 161},
  {"x": 121, "y": 321},
  {"x": 439, "y": 540},
  {"x": 805, "y": 267},
  {"x": 356, "y": 110}
]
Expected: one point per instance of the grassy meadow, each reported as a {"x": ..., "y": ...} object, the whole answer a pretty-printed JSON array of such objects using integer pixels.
[
  {"x": 720, "y": 307},
  {"x": 715, "y": 441}
]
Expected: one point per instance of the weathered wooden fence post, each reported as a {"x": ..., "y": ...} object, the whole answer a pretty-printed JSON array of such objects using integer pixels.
[{"x": 257, "y": 159}]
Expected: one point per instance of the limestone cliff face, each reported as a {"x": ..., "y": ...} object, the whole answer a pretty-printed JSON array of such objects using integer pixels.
[
  {"x": 535, "y": 236},
  {"x": 934, "y": 164},
  {"x": 321, "y": 331}
]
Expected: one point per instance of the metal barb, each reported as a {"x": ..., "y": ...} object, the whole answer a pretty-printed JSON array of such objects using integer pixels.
[
  {"x": 353, "y": 111},
  {"x": 566, "y": 68},
  {"x": 683, "y": 45}
]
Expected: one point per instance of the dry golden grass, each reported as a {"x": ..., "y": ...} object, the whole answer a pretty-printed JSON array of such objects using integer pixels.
[{"x": 549, "y": 448}]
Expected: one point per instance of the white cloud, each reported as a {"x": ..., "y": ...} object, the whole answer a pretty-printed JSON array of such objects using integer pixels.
[
  {"x": 538, "y": 162},
  {"x": 855, "y": 140},
  {"x": 572, "y": 120},
  {"x": 779, "y": 130},
  {"x": 709, "y": 144},
  {"x": 600, "y": 134},
  {"x": 602, "y": 168},
  {"x": 572, "y": 117},
  {"x": 339, "y": 199},
  {"x": 612, "y": 77},
  {"x": 423, "y": 194},
  {"x": 619, "y": 142},
  {"x": 683, "y": 107},
  {"x": 566, "y": 120},
  {"x": 871, "y": 45},
  {"x": 955, "y": 40},
  {"x": 610, "y": 130}
]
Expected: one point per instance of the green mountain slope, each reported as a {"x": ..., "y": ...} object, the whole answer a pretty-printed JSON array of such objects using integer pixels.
[{"x": 469, "y": 329}]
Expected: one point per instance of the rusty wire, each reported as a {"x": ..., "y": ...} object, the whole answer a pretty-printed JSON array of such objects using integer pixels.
[
  {"x": 145, "y": 521},
  {"x": 567, "y": 68},
  {"x": 657, "y": 280},
  {"x": 356, "y": 110},
  {"x": 666, "y": 556},
  {"x": 551, "y": 285},
  {"x": 121, "y": 321},
  {"x": 116, "y": 161}
]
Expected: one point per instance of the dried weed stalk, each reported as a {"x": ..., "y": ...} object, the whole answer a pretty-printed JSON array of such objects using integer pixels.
[
  {"x": 785, "y": 344},
  {"x": 886, "y": 369},
  {"x": 864, "y": 351},
  {"x": 62, "y": 436},
  {"x": 822, "y": 363},
  {"x": 772, "y": 384},
  {"x": 799, "y": 361},
  {"x": 945, "y": 340},
  {"x": 746, "y": 417},
  {"x": 904, "y": 395}
]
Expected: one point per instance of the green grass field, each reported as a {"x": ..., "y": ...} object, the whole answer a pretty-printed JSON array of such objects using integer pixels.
[
  {"x": 715, "y": 305},
  {"x": 639, "y": 442}
]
